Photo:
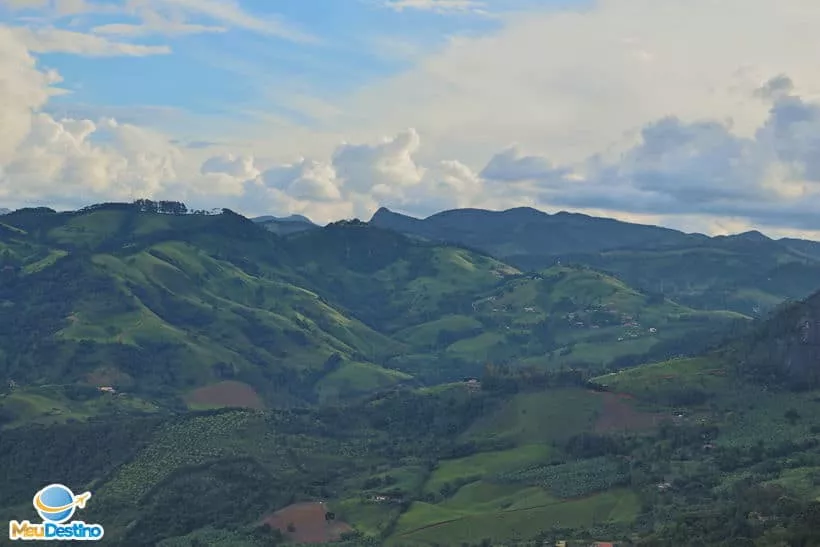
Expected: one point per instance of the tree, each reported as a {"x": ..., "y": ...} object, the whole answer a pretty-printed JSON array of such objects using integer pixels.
[{"x": 792, "y": 416}]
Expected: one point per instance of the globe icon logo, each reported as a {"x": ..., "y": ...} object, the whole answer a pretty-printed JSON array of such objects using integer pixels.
[{"x": 57, "y": 503}]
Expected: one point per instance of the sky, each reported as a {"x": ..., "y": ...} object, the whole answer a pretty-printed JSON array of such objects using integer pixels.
[{"x": 702, "y": 115}]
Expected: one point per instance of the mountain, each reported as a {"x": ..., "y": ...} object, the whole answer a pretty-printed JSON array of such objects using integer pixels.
[
  {"x": 529, "y": 232},
  {"x": 207, "y": 310},
  {"x": 784, "y": 349},
  {"x": 747, "y": 273},
  {"x": 4, "y": 211},
  {"x": 810, "y": 248},
  {"x": 289, "y": 218},
  {"x": 352, "y": 385},
  {"x": 160, "y": 305},
  {"x": 285, "y": 225},
  {"x": 668, "y": 453}
]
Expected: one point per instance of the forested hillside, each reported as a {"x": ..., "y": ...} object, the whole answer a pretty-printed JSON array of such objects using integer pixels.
[
  {"x": 747, "y": 273},
  {"x": 214, "y": 382}
]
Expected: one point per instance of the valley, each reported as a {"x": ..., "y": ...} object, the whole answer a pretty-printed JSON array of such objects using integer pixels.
[{"x": 356, "y": 385}]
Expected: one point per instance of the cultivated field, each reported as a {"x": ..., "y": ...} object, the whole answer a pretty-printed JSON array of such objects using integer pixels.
[
  {"x": 225, "y": 394},
  {"x": 306, "y": 523}
]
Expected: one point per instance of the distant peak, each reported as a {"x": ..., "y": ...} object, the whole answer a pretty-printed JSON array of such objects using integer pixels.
[
  {"x": 526, "y": 211},
  {"x": 382, "y": 211},
  {"x": 289, "y": 218},
  {"x": 385, "y": 213},
  {"x": 752, "y": 235},
  {"x": 295, "y": 218}
]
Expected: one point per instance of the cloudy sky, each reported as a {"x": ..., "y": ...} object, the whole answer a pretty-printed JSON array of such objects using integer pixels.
[{"x": 698, "y": 114}]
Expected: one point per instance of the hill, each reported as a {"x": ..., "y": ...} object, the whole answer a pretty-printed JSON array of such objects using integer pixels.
[
  {"x": 747, "y": 273},
  {"x": 207, "y": 310},
  {"x": 669, "y": 453},
  {"x": 350, "y": 348},
  {"x": 512, "y": 232},
  {"x": 160, "y": 305},
  {"x": 285, "y": 225}
]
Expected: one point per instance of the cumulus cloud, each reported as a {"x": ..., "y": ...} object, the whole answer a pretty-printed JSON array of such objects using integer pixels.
[
  {"x": 23, "y": 89},
  {"x": 680, "y": 168},
  {"x": 632, "y": 124},
  {"x": 69, "y": 160},
  {"x": 81, "y": 159},
  {"x": 572, "y": 83},
  {"x": 241, "y": 167},
  {"x": 384, "y": 166},
  {"x": 357, "y": 180},
  {"x": 511, "y": 165}
]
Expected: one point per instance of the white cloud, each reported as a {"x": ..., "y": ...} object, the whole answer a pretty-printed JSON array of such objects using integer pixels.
[
  {"x": 385, "y": 166},
  {"x": 166, "y": 17},
  {"x": 435, "y": 5},
  {"x": 154, "y": 26},
  {"x": 26, "y": 4},
  {"x": 571, "y": 84},
  {"x": 241, "y": 167},
  {"x": 356, "y": 181},
  {"x": 51, "y": 40},
  {"x": 511, "y": 165},
  {"x": 619, "y": 109},
  {"x": 84, "y": 160},
  {"x": 23, "y": 88},
  {"x": 230, "y": 13}
]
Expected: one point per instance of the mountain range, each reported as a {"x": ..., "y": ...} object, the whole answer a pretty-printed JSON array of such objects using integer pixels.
[
  {"x": 743, "y": 272},
  {"x": 477, "y": 377}
]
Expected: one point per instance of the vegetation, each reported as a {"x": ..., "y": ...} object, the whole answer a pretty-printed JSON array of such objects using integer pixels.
[{"x": 215, "y": 381}]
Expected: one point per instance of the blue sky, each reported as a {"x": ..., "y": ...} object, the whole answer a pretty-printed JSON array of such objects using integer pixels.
[
  {"x": 346, "y": 45},
  {"x": 649, "y": 111}
]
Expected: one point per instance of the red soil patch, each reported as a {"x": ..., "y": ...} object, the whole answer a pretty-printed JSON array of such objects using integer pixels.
[
  {"x": 227, "y": 394},
  {"x": 309, "y": 524},
  {"x": 618, "y": 414}
]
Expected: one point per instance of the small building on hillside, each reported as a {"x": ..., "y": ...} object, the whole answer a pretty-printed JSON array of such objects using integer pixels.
[
  {"x": 472, "y": 384},
  {"x": 107, "y": 389}
]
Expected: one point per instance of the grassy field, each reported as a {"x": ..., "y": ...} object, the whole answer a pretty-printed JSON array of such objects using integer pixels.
[
  {"x": 487, "y": 463},
  {"x": 424, "y": 524},
  {"x": 706, "y": 373},
  {"x": 540, "y": 417},
  {"x": 46, "y": 405},
  {"x": 357, "y": 378}
]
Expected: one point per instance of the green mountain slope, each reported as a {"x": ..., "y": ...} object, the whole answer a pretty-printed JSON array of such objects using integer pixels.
[
  {"x": 527, "y": 231},
  {"x": 747, "y": 273},
  {"x": 563, "y": 316},
  {"x": 741, "y": 273},
  {"x": 214, "y": 310},
  {"x": 162, "y": 304}
]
